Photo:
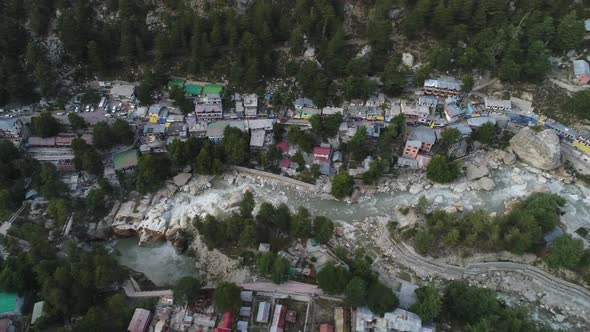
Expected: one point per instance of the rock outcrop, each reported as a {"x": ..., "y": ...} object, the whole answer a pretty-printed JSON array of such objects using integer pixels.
[
  {"x": 539, "y": 149},
  {"x": 486, "y": 183},
  {"x": 476, "y": 172}
]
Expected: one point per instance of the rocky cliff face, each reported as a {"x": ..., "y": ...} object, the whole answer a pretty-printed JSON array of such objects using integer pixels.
[{"x": 538, "y": 149}]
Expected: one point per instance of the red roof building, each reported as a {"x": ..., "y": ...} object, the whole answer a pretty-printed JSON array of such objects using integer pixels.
[
  {"x": 326, "y": 328},
  {"x": 285, "y": 163},
  {"x": 322, "y": 153},
  {"x": 278, "y": 319},
  {"x": 283, "y": 146},
  {"x": 226, "y": 323}
]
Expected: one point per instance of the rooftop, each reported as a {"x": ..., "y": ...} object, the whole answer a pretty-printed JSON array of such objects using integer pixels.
[
  {"x": 414, "y": 143},
  {"x": 480, "y": 121},
  {"x": 497, "y": 103},
  {"x": 7, "y": 302},
  {"x": 126, "y": 159},
  {"x": 423, "y": 134},
  {"x": 139, "y": 321},
  {"x": 444, "y": 83},
  {"x": 123, "y": 90},
  {"x": 257, "y": 138},
  {"x": 304, "y": 102},
  {"x": 581, "y": 67},
  {"x": 177, "y": 83},
  {"x": 193, "y": 89},
  {"x": 212, "y": 89}
]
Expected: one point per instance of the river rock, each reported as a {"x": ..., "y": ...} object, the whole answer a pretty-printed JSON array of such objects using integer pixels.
[
  {"x": 460, "y": 187},
  {"x": 458, "y": 150},
  {"x": 486, "y": 183},
  {"x": 559, "y": 318},
  {"x": 508, "y": 157},
  {"x": 416, "y": 188},
  {"x": 476, "y": 172},
  {"x": 517, "y": 179},
  {"x": 538, "y": 149},
  {"x": 450, "y": 209},
  {"x": 541, "y": 179}
]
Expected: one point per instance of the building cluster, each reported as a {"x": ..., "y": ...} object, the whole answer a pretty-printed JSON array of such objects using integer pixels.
[{"x": 397, "y": 320}]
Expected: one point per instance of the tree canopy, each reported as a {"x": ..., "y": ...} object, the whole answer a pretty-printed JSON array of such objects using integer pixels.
[
  {"x": 45, "y": 125},
  {"x": 226, "y": 297},
  {"x": 187, "y": 290},
  {"x": 441, "y": 169},
  {"x": 342, "y": 185}
]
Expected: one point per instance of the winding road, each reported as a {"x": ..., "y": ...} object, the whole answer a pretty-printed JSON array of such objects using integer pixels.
[{"x": 575, "y": 297}]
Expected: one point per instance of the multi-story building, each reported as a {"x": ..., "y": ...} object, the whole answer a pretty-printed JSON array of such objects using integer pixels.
[
  {"x": 420, "y": 139},
  {"x": 443, "y": 87}
]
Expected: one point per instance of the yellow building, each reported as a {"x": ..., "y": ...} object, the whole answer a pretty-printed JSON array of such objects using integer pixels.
[
  {"x": 581, "y": 145},
  {"x": 154, "y": 118}
]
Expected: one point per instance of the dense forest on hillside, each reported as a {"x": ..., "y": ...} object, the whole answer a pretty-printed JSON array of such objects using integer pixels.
[{"x": 42, "y": 39}]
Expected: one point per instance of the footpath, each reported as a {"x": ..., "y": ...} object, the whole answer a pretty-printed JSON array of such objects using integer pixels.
[{"x": 272, "y": 176}]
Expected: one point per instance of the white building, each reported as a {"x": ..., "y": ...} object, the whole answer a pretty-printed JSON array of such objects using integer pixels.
[
  {"x": 498, "y": 104},
  {"x": 123, "y": 92}
]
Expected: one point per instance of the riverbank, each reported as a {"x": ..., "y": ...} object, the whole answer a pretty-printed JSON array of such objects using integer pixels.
[
  {"x": 169, "y": 213},
  {"x": 564, "y": 304}
]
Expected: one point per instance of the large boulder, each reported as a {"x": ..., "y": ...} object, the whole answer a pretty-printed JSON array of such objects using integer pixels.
[
  {"x": 474, "y": 172},
  {"x": 539, "y": 149},
  {"x": 486, "y": 183}
]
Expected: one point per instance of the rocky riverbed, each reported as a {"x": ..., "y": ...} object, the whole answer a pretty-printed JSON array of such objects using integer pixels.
[{"x": 493, "y": 180}]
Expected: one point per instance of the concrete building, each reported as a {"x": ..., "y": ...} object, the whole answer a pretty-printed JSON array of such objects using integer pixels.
[
  {"x": 480, "y": 121},
  {"x": 581, "y": 71},
  {"x": 12, "y": 129},
  {"x": 301, "y": 103},
  {"x": 430, "y": 101},
  {"x": 443, "y": 87},
  {"x": 251, "y": 106},
  {"x": 498, "y": 104},
  {"x": 412, "y": 148},
  {"x": 453, "y": 112},
  {"x": 208, "y": 112},
  {"x": 426, "y": 136},
  {"x": 402, "y": 320},
  {"x": 278, "y": 319},
  {"x": 413, "y": 111},
  {"x": 332, "y": 110},
  {"x": 263, "y": 312},
  {"x": 123, "y": 92},
  {"x": 140, "y": 321}
]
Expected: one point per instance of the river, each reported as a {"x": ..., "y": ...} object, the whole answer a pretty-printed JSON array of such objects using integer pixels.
[
  {"x": 163, "y": 266},
  {"x": 159, "y": 262}
]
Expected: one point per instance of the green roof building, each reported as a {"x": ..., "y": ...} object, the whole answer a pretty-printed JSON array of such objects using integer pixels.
[
  {"x": 126, "y": 159},
  {"x": 8, "y": 302},
  {"x": 212, "y": 89},
  {"x": 193, "y": 90},
  {"x": 178, "y": 83}
]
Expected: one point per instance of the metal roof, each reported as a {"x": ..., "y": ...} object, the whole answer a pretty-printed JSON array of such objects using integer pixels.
[
  {"x": 497, "y": 103},
  {"x": 209, "y": 89},
  {"x": 257, "y": 138},
  {"x": 443, "y": 83},
  {"x": 480, "y": 121},
  {"x": 581, "y": 67},
  {"x": 139, "y": 321},
  {"x": 123, "y": 90},
  {"x": 414, "y": 143},
  {"x": 126, "y": 159},
  {"x": 423, "y": 134},
  {"x": 193, "y": 89}
]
